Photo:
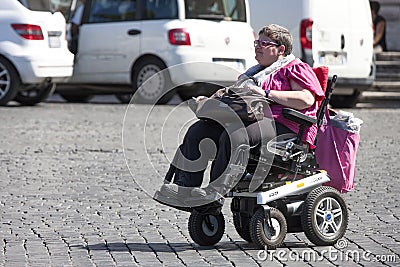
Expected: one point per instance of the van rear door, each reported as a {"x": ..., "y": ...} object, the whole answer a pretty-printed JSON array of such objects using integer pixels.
[{"x": 342, "y": 37}]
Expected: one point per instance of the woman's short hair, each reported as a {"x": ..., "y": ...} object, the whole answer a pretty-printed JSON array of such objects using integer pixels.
[{"x": 279, "y": 35}]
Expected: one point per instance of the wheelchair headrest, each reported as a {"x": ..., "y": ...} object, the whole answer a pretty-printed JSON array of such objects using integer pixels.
[{"x": 322, "y": 74}]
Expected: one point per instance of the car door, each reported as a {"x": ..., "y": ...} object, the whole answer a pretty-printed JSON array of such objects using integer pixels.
[
  {"x": 342, "y": 37},
  {"x": 109, "y": 41}
]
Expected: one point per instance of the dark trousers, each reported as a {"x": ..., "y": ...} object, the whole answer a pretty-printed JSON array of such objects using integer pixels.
[{"x": 207, "y": 140}]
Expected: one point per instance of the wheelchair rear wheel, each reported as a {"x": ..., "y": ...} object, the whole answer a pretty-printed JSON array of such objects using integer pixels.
[
  {"x": 262, "y": 235},
  {"x": 325, "y": 216},
  {"x": 242, "y": 226},
  {"x": 206, "y": 229}
]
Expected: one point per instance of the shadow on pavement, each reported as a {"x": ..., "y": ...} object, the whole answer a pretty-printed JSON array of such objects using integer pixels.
[
  {"x": 179, "y": 247},
  {"x": 157, "y": 247}
]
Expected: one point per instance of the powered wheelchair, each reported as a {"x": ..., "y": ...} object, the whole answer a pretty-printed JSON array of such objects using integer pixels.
[{"x": 270, "y": 201}]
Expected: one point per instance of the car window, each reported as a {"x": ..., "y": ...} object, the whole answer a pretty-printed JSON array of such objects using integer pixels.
[
  {"x": 160, "y": 9},
  {"x": 112, "y": 10},
  {"x": 48, "y": 5},
  {"x": 234, "y": 10}
]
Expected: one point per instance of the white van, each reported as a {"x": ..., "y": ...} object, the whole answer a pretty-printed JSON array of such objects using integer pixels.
[
  {"x": 123, "y": 43},
  {"x": 337, "y": 34}
]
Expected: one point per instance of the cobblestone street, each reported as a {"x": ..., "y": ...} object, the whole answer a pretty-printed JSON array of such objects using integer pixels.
[{"x": 68, "y": 198}]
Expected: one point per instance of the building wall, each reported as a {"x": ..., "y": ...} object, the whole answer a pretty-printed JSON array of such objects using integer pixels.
[{"x": 390, "y": 10}]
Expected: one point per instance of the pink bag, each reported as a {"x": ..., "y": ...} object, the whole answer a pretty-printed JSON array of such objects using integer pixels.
[{"x": 336, "y": 153}]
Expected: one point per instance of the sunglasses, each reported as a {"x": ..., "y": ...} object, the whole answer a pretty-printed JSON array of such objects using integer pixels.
[{"x": 263, "y": 43}]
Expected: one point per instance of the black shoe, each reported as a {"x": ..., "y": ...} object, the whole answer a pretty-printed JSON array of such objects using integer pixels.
[
  {"x": 170, "y": 201},
  {"x": 203, "y": 196},
  {"x": 198, "y": 192},
  {"x": 170, "y": 190}
]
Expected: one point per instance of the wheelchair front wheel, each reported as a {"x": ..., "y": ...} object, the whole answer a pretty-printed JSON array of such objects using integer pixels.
[
  {"x": 325, "y": 216},
  {"x": 206, "y": 229},
  {"x": 262, "y": 234}
]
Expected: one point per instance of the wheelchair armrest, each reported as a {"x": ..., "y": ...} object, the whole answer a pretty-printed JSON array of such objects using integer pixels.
[{"x": 298, "y": 117}]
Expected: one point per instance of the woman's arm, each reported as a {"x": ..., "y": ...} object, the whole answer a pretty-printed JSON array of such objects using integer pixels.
[
  {"x": 293, "y": 99},
  {"x": 299, "y": 98}
]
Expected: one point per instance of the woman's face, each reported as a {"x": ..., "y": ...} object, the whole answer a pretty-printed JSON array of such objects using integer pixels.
[{"x": 266, "y": 55}]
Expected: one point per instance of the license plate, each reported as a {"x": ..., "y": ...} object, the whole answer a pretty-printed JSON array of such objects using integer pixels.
[
  {"x": 54, "y": 42},
  {"x": 332, "y": 59},
  {"x": 236, "y": 64}
]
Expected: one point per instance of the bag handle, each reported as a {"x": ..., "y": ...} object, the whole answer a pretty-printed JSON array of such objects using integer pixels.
[
  {"x": 238, "y": 82},
  {"x": 323, "y": 109},
  {"x": 238, "y": 88}
]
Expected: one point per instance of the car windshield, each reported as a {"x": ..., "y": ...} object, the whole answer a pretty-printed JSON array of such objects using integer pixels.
[
  {"x": 48, "y": 5},
  {"x": 234, "y": 10}
]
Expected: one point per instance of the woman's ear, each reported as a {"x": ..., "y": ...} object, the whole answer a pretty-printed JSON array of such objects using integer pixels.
[{"x": 282, "y": 49}]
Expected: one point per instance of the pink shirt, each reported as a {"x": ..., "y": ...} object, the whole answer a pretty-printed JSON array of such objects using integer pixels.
[{"x": 302, "y": 74}]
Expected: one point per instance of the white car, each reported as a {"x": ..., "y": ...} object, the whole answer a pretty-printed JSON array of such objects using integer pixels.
[
  {"x": 123, "y": 43},
  {"x": 34, "y": 51}
]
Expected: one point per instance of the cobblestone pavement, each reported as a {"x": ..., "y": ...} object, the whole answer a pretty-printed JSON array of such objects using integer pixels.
[{"x": 67, "y": 197}]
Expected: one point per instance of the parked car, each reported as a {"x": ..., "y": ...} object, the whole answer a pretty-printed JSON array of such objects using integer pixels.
[
  {"x": 337, "y": 34},
  {"x": 33, "y": 51},
  {"x": 123, "y": 43}
]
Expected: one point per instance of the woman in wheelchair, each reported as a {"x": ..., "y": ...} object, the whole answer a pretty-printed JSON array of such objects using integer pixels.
[{"x": 280, "y": 77}]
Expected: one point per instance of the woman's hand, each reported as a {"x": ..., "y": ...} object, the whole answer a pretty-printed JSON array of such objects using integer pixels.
[
  {"x": 200, "y": 98},
  {"x": 254, "y": 88}
]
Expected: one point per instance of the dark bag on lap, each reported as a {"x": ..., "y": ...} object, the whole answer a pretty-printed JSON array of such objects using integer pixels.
[{"x": 231, "y": 104}]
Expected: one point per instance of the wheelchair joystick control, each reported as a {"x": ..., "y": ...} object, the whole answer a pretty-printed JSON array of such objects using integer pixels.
[
  {"x": 286, "y": 156},
  {"x": 289, "y": 145}
]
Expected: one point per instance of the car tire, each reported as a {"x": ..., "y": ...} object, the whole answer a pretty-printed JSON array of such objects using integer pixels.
[
  {"x": 158, "y": 90},
  {"x": 9, "y": 82},
  {"x": 35, "y": 94},
  {"x": 124, "y": 98},
  {"x": 76, "y": 98},
  {"x": 345, "y": 101}
]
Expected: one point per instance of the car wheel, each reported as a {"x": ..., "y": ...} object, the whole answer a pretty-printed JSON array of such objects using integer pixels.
[
  {"x": 9, "y": 82},
  {"x": 124, "y": 98},
  {"x": 345, "y": 101},
  {"x": 76, "y": 98},
  {"x": 35, "y": 94},
  {"x": 158, "y": 89}
]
